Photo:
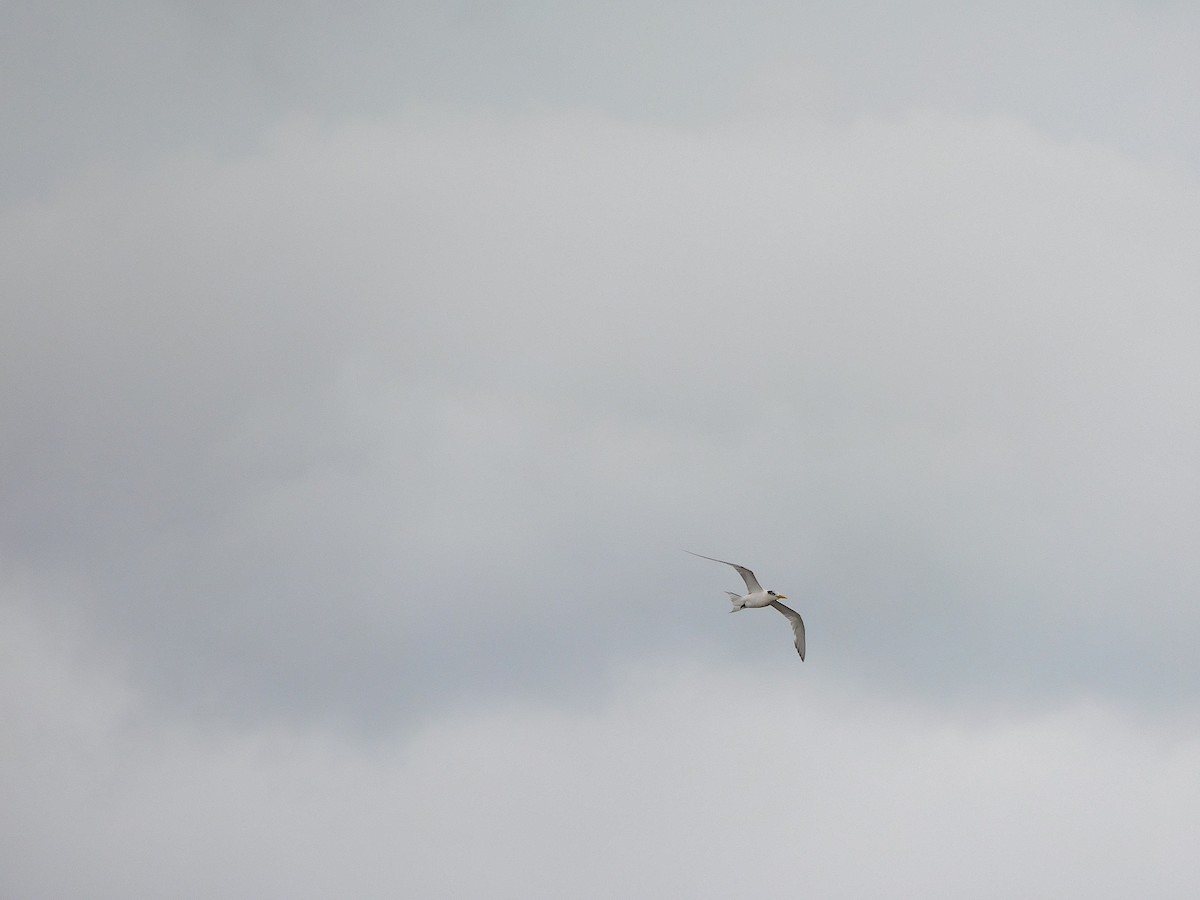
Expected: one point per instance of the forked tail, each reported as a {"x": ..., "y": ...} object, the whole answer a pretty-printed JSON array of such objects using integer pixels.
[{"x": 737, "y": 601}]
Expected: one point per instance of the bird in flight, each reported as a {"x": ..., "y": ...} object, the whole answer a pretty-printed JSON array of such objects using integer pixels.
[{"x": 756, "y": 597}]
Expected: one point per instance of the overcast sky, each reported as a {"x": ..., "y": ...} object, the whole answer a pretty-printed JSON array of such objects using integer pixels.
[{"x": 365, "y": 368}]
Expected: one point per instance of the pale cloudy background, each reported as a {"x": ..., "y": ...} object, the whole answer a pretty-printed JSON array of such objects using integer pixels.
[{"x": 364, "y": 369}]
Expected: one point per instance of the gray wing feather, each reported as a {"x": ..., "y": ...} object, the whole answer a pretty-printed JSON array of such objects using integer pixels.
[
  {"x": 752, "y": 585},
  {"x": 797, "y": 625}
]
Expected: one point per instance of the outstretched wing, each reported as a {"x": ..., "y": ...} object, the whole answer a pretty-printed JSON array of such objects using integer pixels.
[
  {"x": 752, "y": 585},
  {"x": 797, "y": 625}
]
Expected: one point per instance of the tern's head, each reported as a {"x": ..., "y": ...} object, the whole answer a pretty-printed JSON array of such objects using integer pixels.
[{"x": 777, "y": 596}]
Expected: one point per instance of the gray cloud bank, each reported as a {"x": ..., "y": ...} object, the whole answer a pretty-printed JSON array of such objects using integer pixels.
[
  {"x": 683, "y": 779},
  {"x": 126, "y": 84},
  {"x": 453, "y": 392},
  {"x": 364, "y": 372}
]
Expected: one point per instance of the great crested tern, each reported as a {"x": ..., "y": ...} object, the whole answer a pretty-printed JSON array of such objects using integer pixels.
[{"x": 757, "y": 598}]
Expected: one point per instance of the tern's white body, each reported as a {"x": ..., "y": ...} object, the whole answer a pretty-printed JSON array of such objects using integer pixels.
[
  {"x": 755, "y": 600},
  {"x": 758, "y": 598}
]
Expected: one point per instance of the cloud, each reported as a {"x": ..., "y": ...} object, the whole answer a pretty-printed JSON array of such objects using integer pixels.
[
  {"x": 364, "y": 371},
  {"x": 711, "y": 780},
  {"x": 387, "y": 415},
  {"x": 145, "y": 80}
]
